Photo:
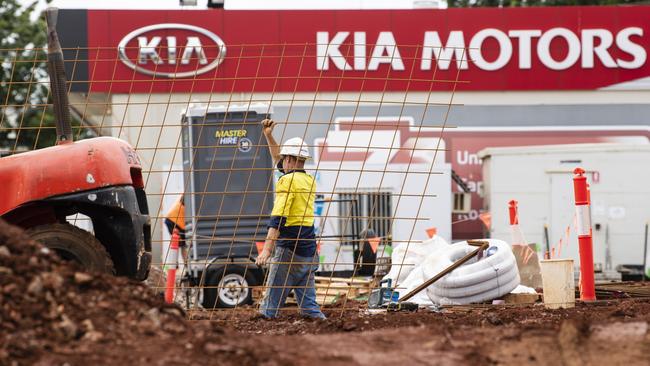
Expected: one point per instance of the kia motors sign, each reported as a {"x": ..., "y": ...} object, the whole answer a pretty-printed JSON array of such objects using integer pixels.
[
  {"x": 581, "y": 48},
  {"x": 551, "y": 48},
  {"x": 148, "y": 48}
]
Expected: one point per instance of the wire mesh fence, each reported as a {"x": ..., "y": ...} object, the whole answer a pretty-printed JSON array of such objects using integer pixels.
[{"x": 377, "y": 158}]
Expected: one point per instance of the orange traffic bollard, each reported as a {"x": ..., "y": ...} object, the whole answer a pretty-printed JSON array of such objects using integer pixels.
[
  {"x": 171, "y": 271},
  {"x": 585, "y": 242},
  {"x": 517, "y": 236}
]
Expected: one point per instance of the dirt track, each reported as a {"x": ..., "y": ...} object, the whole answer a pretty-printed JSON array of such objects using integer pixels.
[
  {"x": 612, "y": 334},
  {"x": 51, "y": 313}
]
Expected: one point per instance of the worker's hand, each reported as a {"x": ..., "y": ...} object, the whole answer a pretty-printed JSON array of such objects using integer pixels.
[
  {"x": 263, "y": 258},
  {"x": 267, "y": 126}
]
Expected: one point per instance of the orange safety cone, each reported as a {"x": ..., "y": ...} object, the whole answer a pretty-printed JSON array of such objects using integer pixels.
[{"x": 171, "y": 270}]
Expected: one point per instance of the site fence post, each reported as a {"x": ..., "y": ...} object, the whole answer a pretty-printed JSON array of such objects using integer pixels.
[
  {"x": 645, "y": 253},
  {"x": 173, "y": 266},
  {"x": 585, "y": 242}
]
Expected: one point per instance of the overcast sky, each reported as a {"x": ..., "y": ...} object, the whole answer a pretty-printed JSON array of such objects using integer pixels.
[
  {"x": 118, "y": 4},
  {"x": 243, "y": 4},
  {"x": 240, "y": 4}
]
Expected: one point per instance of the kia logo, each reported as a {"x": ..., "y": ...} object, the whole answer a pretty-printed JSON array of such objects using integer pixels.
[{"x": 150, "y": 58}]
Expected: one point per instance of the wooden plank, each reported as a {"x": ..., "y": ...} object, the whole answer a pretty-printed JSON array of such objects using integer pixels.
[
  {"x": 631, "y": 289},
  {"x": 342, "y": 287},
  {"x": 356, "y": 281},
  {"x": 337, "y": 286},
  {"x": 321, "y": 291},
  {"x": 350, "y": 292},
  {"x": 332, "y": 290},
  {"x": 330, "y": 299},
  {"x": 521, "y": 298}
]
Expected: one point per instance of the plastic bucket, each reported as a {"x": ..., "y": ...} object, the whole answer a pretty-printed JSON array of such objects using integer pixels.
[{"x": 558, "y": 283}]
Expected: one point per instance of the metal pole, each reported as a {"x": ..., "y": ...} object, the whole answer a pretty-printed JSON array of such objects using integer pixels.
[
  {"x": 58, "y": 82},
  {"x": 547, "y": 255},
  {"x": 645, "y": 251}
]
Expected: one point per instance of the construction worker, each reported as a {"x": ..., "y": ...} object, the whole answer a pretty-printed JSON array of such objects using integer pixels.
[
  {"x": 175, "y": 219},
  {"x": 290, "y": 246}
]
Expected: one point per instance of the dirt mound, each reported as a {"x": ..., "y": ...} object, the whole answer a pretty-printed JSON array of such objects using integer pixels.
[
  {"x": 53, "y": 313},
  {"x": 51, "y": 310},
  {"x": 51, "y": 305}
]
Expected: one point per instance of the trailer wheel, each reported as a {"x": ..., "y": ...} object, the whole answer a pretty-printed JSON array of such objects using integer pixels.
[
  {"x": 74, "y": 244},
  {"x": 228, "y": 287}
]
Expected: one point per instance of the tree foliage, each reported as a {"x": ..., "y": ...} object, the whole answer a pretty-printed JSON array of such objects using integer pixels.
[{"x": 26, "y": 118}]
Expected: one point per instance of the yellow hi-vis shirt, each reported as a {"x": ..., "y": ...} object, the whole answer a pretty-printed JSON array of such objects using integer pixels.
[{"x": 293, "y": 212}]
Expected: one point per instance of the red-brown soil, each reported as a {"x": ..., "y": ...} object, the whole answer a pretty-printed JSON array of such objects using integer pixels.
[{"x": 52, "y": 314}]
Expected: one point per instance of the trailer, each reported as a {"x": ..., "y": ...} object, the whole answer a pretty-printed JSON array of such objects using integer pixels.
[
  {"x": 228, "y": 197},
  {"x": 540, "y": 179}
]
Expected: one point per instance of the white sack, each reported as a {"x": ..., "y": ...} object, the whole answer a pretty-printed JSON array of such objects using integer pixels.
[{"x": 408, "y": 255}]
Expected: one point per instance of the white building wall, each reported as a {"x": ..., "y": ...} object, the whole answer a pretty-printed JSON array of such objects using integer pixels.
[
  {"x": 543, "y": 185},
  {"x": 151, "y": 122}
]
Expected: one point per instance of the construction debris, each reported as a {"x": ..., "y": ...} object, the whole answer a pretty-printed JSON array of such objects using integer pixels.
[
  {"x": 333, "y": 290},
  {"x": 620, "y": 290},
  {"x": 521, "y": 298}
]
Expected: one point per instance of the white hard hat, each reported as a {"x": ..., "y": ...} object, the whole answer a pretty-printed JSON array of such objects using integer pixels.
[{"x": 295, "y": 147}]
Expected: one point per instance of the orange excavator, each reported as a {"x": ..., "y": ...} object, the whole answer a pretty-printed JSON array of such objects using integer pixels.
[{"x": 100, "y": 178}]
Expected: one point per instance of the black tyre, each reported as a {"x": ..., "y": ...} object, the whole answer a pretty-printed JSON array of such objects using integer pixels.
[
  {"x": 228, "y": 287},
  {"x": 74, "y": 244}
]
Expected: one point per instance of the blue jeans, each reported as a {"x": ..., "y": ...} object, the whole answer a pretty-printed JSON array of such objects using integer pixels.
[{"x": 284, "y": 277}]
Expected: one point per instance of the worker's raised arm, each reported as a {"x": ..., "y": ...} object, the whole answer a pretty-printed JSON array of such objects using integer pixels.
[{"x": 274, "y": 148}]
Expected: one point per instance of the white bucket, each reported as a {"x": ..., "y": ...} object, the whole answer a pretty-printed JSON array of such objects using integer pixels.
[{"x": 558, "y": 283}]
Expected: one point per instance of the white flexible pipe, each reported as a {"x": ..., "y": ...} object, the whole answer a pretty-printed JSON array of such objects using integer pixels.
[
  {"x": 497, "y": 279},
  {"x": 477, "y": 280},
  {"x": 494, "y": 293},
  {"x": 484, "y": 272}
]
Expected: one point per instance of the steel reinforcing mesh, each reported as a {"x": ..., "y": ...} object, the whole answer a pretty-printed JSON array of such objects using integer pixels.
[{"x": 376, "y": 142}]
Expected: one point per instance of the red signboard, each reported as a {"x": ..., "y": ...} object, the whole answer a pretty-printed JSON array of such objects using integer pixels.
[{"x": 553, "y": 48}]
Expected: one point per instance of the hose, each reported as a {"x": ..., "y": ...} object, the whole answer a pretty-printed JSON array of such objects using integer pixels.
[{"x": 478, "y": 280}]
